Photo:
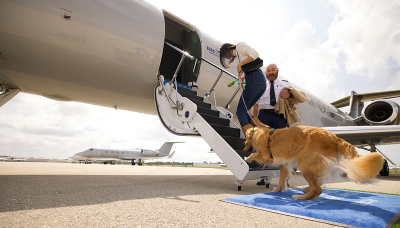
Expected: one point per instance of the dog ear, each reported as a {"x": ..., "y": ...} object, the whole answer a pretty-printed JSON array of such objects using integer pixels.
[{"x": 249, "y": 135}]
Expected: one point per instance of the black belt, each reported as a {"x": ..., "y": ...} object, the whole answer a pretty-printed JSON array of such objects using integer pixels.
[{"x": 269, "y": 111}]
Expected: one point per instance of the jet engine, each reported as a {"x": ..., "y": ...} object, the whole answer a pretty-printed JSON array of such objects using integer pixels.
[
  {"x": 381, "y": 112},
  {"x": 150, "y": 153}
]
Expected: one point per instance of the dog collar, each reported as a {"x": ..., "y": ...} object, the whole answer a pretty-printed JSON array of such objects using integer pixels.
[{"x": 269, "y": 138}]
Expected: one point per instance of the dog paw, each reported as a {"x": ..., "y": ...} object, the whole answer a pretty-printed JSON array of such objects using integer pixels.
[
  {"x": 300, "y": 197},
  {"x": 278, "y": 189}
]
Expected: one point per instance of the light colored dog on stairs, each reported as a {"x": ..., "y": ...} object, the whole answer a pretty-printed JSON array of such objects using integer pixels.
[{"x": 315, "y": 151}]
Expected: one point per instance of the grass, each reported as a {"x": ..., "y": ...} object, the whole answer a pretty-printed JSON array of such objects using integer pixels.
[{"x": 397, "y": 224}]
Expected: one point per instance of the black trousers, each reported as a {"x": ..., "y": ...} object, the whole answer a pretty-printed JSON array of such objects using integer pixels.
[{"x": 273, "y": 120}]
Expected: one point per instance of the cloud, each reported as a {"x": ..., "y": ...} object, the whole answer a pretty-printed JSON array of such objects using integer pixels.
[
  {"x": 396, "y": 82},
  {"x": 55, "y": 132},
  {"x": 72, "y": 109},
  {"x": 367, "y": 33},
  {"x": 309, "y": 61}
]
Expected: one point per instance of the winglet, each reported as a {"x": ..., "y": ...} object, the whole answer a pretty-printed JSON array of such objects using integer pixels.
[{"x": 170, "y": 156}]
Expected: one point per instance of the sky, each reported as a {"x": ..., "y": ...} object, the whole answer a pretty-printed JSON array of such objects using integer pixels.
[{"x": 328, "y": 47}]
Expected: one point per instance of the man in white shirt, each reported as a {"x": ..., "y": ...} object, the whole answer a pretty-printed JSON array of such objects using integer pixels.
[{"x": 265, "y": 106}]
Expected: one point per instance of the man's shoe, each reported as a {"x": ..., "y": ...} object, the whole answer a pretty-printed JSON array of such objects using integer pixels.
[{"x": 261, "y": 182}]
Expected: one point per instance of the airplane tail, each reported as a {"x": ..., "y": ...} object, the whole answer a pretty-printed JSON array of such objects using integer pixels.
[
  {"x": 359, "y": 168},
  {"x": 166, "y": 148}
]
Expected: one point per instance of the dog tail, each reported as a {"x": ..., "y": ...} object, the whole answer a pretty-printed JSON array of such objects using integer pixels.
[{"x": 359, "y": 168}]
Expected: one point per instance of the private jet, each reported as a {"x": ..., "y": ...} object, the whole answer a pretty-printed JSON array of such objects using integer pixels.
[
  {"x": 133, "y": 56},
  {"x": 112, "y": 156}
]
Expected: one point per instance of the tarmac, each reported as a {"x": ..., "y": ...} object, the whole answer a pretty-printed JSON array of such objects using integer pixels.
[{"x": 82, "y": 195}]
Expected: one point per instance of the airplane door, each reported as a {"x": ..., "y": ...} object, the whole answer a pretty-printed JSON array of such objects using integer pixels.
[{"x": 191, "y": 44}]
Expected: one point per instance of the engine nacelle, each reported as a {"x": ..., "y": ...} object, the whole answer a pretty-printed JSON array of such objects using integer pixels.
[
  {"x": 150, "y": 153},
  {"x": 381, "y": 112}
]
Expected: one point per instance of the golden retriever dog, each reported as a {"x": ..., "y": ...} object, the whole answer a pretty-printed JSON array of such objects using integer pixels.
[{"x": 315, "y": 151}]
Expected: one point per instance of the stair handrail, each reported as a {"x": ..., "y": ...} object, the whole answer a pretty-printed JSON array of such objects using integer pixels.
[
  {"x": 178, "y": 105},
  {"x": 181, "y": 51},
  {"x": 216, "y": 81},
  {"x": 184, "y": 55},
  {"x": 219, "y": 68}
]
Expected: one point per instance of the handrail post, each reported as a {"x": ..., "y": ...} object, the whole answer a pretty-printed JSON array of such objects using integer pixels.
[
  {"x": 233, "y": 96},
  {"x": 178, "y": 68},
  {"x": 212, "y": 88},
  {"x": 178, "y": 105}
]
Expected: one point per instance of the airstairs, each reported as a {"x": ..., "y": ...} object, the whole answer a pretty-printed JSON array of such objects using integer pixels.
[{"x": 186, "y": 112}]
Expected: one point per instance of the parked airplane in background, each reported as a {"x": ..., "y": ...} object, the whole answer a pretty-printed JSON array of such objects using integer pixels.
[
  {"x": 133, "y": 56},
  {"x": 111, "y": 156}
]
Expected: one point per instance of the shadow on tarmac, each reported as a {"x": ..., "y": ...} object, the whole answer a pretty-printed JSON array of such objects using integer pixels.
[
  {"x": 24, "y": 192},
  {"x": 29, "y": 192}
]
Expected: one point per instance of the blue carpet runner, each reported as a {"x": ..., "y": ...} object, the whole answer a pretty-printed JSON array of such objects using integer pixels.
[{"x": 337, "y": 207}]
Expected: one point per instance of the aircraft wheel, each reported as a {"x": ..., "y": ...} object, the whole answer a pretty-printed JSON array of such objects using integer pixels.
[
  {"x": 385, "y": 169},
  {"x": 267, "y": 185},
  {"x": 239, "y": 188}
]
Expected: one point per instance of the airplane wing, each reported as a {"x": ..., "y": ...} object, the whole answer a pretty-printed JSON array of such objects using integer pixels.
[
  {"x": 137, "y": 157},
  {"x": 361, "y": 135},
  {"x": 104, "y": 159},
  {"x": 363, "y": 97}
]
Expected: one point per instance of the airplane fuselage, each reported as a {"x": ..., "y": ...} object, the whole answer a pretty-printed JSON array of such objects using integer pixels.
[
  {"x": 119, "y": 154},
  {"x": 110, "y": 53}
]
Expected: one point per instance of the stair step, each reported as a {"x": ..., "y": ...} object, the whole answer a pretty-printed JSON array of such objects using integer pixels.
[
  {"x": 187, "y": 91},
  {"x": 258, "y": 168},
  {"x": 226, "y": 131},
  {"x": 191, "y": 96},
  {"x": 207, "y": 111},
  {"x": 215, "y": 120},
  {"x": 243, "y": 153},
  {"x": 202, "y": 104},
  {"x": 235, "y": 143},
  {"x": 254, "y": 166}
]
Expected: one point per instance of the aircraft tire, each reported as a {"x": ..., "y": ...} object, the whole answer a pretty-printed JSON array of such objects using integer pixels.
[{"x": 385, "y": 169}]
